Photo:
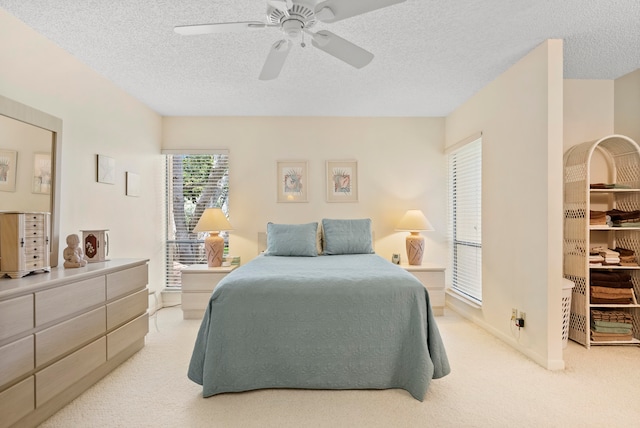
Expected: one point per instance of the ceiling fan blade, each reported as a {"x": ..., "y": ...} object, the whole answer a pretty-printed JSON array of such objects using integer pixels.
[
  {"x": 337, "y": 10},
  {"x": 223, "y": 27},
  {"x": 281, "y": 5},
  {"x": 275, "y": 59},
  {"x": 342, "y": 49}
]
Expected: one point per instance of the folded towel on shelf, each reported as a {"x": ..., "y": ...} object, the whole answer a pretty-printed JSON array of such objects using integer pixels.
[
  {"x": 597, "y": 218},
  {"x": 623, "y": 216},
  {"x": 608, "y": 301},
  {"x": 624, "y": 251},
  {"x": 599, "y": 323},
  {"x": 626, "y": 224},
  {"x": 611, "y": 284},
  {"x": 610, "y": 337},
  {"x": 611, "y": 291},
  {"x": 608, "y": 186},
  {"x": 613, "y": 315},
  {"x": 617, "y": 330},
  {"x": 613, "y": 276}
]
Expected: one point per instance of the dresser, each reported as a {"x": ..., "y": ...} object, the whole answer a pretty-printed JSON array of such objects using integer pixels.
[
  {"x": 198, "y": 282},
  {"x": 432, "y": 278},
  {"x": 62, "y": 331},
  {"x": 24, "y": 243}
]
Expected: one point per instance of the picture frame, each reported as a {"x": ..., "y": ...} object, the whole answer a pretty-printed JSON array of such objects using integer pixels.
[
  {"x": 342, "y": 181},
  {"x": 8, "y": 168},
  {"x": 292, "y": 181},
  {"x": 41, "y": 181},
  {"x": 106, "y": 170},
  {"x": 133, "y": 184}
]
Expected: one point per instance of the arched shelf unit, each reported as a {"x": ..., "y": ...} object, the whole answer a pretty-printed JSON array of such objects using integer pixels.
[{"x": 620, "y": 157}]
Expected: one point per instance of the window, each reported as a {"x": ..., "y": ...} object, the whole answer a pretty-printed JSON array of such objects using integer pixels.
[
  {"x": 194, "y": 181},
  {"x": 465, "y": 215}
]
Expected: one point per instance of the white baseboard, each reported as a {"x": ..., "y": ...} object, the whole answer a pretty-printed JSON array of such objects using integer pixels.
[{"x": 539, "y": 359}]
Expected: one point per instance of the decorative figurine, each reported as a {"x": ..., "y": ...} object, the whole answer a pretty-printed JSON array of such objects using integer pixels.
[{"x": 73, "y": 254}]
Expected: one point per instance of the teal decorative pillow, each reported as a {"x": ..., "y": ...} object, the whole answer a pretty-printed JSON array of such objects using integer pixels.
[
  {"x": 347, "y": 236},
  {"x": 296, "y": 240}
]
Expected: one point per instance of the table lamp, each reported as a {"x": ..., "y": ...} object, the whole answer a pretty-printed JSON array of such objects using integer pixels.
[
  {"x": 213, "y": 221},
  {"x": 415, "y": 222}
]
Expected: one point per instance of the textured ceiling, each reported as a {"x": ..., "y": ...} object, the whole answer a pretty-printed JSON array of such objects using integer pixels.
[{"x": 430, "y": 56}]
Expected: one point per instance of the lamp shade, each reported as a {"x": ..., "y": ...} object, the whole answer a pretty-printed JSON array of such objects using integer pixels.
[
  {"x": 413, "y": 221},
  {"x": 212, "y": 219}
]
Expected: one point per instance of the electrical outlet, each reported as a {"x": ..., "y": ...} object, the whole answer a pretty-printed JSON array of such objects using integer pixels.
[
  {"x": 514, "y": 313},
  {"x": 523, "y": 316}
]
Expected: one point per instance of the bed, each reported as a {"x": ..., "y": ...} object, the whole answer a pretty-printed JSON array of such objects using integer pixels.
[{"x": 333, "y": 321}]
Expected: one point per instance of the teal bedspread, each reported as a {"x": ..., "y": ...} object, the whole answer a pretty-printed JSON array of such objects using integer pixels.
[{"x": 327, "y": 322}]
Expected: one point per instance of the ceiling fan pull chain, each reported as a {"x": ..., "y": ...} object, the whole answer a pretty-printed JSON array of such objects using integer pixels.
[{"x": 303, "y": 44}]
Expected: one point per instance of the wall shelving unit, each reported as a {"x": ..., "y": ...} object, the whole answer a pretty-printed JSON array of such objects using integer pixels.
[{"x": 620, "y": 156}]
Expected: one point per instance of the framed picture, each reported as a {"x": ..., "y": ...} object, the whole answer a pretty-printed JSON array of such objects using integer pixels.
[
  {"x": 292, "y": 181},
  {"x": 41, "y": 182},
  {"x": 106, "y": 170},
  {"x": 342, "y": 181},
  {"x": 133, "y": 184},
  {"x": 8, "y": 165}
]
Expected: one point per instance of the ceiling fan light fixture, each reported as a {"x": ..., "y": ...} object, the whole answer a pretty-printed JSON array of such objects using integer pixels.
[{"x": 292, "y": 27}]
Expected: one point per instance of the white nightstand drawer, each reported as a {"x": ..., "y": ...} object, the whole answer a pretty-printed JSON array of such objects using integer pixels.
[
  {"x": 432, "y": 278},
  {"x": 198, "y": 283},
  {"x": 203, "y": 278}
]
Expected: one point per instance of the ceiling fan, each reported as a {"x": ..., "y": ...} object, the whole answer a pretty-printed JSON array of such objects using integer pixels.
[{"x": 295, "y": 18}]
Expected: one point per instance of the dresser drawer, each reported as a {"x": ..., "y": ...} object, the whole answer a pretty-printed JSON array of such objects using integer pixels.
[
  {"x": 61, "y": 338},
  {"x": 127, "y": 281},
  {"x": 16, "y": 359},
  {"x": 63, "y": 301},
  {"x": 34, "y": 233},
  {"x": 126, "y": 335},
  {"x": 35, "y": 239},
  {"x": 16, "y": 402},
  {"x": 34, "y": 217},
  {"x": 61, "y": 375},
  {"x": 16, "y": 316},
  {"x": 127, "y": 308}
]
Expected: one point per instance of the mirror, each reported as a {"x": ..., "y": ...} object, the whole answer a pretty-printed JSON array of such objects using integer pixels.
[{"x": 36, "y": 186}]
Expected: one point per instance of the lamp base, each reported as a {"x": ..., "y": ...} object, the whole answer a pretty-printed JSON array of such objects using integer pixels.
[
  {"x": 214, "y": 249},
  {"x": 415, "y": 248}
]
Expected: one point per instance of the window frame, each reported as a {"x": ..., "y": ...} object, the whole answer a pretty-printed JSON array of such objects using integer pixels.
[
  {"x": 465, "y": 234},
  {"x": 181, "y": 251}
]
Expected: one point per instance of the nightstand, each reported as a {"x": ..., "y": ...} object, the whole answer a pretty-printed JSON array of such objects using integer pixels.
[
  {"x": 198, "y": 282},
  {"x": 432, "y": 278}
]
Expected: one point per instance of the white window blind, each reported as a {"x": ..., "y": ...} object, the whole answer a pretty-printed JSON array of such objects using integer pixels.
[
  {"x": 465, "y": 217},
  {"x": 195, "y": 180}
]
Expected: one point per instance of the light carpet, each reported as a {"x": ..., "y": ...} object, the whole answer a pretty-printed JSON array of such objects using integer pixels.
[{"x": 491, "y": 385}]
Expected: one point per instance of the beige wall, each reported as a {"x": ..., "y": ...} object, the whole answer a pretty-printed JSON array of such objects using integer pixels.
[
  {"x": 588, "y": 110},
  {"x": 627, "y": 105},
  {"x": 520, "y": 115},
  {"x": 97, "y": 117},
  {"x": 400, "y": 166}
]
